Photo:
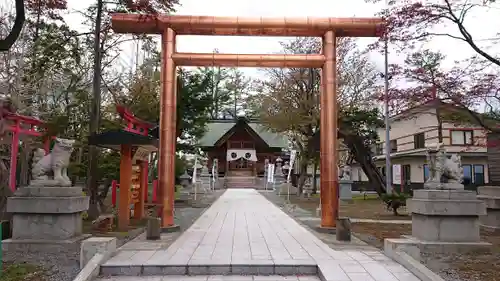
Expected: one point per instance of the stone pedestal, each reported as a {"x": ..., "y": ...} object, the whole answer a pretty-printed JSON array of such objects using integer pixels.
[
  {"x": 345, "y": 190},
  {"x": 283, "y": 189},
  {"x": 443, "y": 221},
  {"x": 446, "y": 215},
  {"x": 490, "y": 195},
  {"x": 46, "y": 215}
]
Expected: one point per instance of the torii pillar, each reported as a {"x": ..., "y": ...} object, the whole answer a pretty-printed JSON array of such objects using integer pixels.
[
  {"x": 328, "y": 139},
  {"x": 168, "y": 132}
]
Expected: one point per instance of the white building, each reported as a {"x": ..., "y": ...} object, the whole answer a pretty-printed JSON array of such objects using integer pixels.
[{"x": 411, "y": 131}]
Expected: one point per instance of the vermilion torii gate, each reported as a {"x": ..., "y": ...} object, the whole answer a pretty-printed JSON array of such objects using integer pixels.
[{"x": 327, "y": 28}]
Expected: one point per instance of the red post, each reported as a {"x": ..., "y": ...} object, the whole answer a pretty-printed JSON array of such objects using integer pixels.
[
  {"x": 14, "y": 149},
  {"x": 155, "y": 191},
  {"x": 114, "y": 188},
  {"x": 144, "y": 167},
  {"x": 46, "y": 146}
]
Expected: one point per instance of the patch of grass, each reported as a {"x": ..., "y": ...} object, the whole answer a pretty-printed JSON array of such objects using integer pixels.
[
  {"x": 365, "y": 197},
  {"x": 21, "y": 272}
]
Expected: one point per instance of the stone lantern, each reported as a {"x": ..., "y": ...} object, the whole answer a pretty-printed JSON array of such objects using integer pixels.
[{"x": 185, "y": 180}]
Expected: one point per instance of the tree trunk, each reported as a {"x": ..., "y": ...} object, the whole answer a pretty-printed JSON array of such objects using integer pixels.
[
  {"x": 93, "y": 186},
  {"x": 363, "y": 156},
  {"x": 302, "y": 175},
  {"x": 14, "y": 33},
  {"x": 24, "y": 168}
]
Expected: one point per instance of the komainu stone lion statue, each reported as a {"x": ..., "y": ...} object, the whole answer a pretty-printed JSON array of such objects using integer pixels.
[
  {"x": 56, "y": 162},
  {"x": 445, "y": 171}
]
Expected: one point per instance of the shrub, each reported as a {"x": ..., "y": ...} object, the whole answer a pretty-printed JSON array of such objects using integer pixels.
[{"x": 395, "y": 201}]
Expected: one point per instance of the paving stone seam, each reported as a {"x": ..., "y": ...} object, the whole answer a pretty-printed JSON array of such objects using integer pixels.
[
  {"x": 267, "y": 224},
  {"x": 219, "y": 269}
]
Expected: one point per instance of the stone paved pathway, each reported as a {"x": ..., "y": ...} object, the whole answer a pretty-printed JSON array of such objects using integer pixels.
[
  {"x": 243, "y": 233},
  {"x": 355, "y": 220}
]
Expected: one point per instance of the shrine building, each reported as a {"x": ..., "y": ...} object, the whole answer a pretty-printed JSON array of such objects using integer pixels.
[{"x": 242, "y": 147}]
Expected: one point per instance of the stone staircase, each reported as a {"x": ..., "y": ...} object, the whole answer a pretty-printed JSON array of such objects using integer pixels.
[{"x": 239, "y": 182}]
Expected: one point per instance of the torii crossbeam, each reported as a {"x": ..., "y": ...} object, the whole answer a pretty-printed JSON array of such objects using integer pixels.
[{"x": 328, "y": 28}]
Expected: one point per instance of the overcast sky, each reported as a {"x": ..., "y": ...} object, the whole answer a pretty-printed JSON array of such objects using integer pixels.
[{"x": 478, "y": 23}]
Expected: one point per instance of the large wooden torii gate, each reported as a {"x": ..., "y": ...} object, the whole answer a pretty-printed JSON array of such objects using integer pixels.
[{"x": 327, "y": 28}]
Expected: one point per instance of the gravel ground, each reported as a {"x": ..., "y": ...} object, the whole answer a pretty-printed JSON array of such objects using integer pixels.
[
  {"x": 63, "y": 263},
  {"x": 439, "y": 265}
]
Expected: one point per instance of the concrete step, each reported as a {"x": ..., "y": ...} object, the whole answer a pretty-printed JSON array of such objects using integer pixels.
[
  {"x": 254, "y": 267},
  {"x": 240, "y": 182},
  {"x": 212, "y": 278}
]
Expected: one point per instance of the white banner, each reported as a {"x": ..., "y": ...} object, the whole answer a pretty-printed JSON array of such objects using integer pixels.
[
  {"x": 195, "y": 168},
  {"x": 396, "y": 174},
  {"x": 235, "y": 154},
  {"x": 270, "y": 173},
  {"x": 293, "y": 155},
  {"x": 213, "y": 172}
]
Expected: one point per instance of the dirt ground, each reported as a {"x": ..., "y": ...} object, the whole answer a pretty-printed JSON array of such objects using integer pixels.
[
  {"x": 466, "y": 267},
  {"x": 371, "y": 208}
]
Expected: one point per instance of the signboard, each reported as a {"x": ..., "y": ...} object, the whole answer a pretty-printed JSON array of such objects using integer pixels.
[
  {"x": 141, "y": 154},
  {"x": 396, "y": 174},
  {"x": 136, "y": 184}
]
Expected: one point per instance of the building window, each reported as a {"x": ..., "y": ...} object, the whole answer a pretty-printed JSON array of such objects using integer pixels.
[
  {"x": 426, "y": 172},
  {"x": 419, "y": 140},
  {"x": 478, "y": 174},
  {"x": 248, "y": 144},
  {"x": 461, "y": 137},
  {"x": 394, "y": 146},
  {"x": 379, "y": 149},
  {"x": 467, "y": 174},
  {"x": 406, "y": 169},
  {"x": 235, "y": 144}
]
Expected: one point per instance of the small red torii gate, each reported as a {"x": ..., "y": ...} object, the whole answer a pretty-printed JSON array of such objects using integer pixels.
[
  {"x": 22, "y": 125},
  {"x": 140, "y": 127}
]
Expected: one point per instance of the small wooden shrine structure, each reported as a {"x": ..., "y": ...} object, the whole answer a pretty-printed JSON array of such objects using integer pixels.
[{"x": 135, "y": 145}]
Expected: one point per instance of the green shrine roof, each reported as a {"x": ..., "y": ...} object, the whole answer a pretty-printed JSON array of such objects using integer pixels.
[{"x": 217, "y": 128}]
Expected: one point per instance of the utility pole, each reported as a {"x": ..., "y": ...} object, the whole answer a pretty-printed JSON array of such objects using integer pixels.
[
  {"x": 388, "y": 166},
  {"x": 95, "y": 114}
]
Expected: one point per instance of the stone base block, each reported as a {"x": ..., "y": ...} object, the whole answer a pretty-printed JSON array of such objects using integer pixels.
[
  {"x": 491, "y": 221},
  {"x": 283, "y": 189},
  {"x": 46, "y": 226},
  {"x": 445, "y": 229},
  {"x": 49, "y": 191},
  {"x": 327, "y": 230},
  {"x": 446, "y": 215},
  {"x": 490, "y": 195},
  {"x": 94, "y": 245},
  {"x": 170, "y": 229},
  {"x": 153, "y": 229},
  {"x": 204, "y": 267},
  {"x": 343, "y": 231},
  {"x": 38, "y": 245},
  {"x": 50, "y": 182},
  {"x": 345, "y": 190},
  {"x": 47, "y": 204},
  {"x": 414, "y": 247}
]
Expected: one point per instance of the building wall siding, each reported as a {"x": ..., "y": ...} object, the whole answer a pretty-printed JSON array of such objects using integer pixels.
[{"x": 494, "y": 158}]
